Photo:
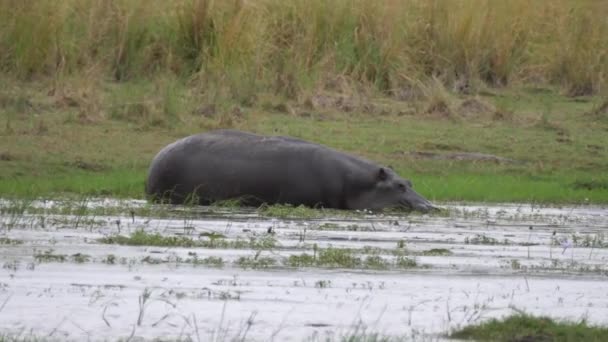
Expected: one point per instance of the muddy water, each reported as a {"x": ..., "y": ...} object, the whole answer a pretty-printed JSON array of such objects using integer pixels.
[{"x": 471, "y": 264}]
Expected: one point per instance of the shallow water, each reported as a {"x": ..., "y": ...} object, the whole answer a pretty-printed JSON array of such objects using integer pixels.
[{"x": 503, "y": 259}]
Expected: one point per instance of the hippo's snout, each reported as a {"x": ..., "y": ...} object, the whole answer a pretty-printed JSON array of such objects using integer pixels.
[
  {"x": 426, "y": 207},
  {"x": 422, "y": 207},
  {"x": 415, "y": 201}
]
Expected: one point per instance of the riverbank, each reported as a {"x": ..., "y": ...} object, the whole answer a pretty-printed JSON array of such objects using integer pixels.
[{"x": 515, "y": 144}]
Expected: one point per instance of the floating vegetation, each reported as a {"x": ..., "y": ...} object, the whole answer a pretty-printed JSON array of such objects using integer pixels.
[
  {"x": 7, "y": 241},
  {"x": 142, "y": 238},
  {"x": 208, "y": 261},
  {"x": 302, "y": 260},
  {"x": 110, "y": 259},
  {"x": 405, "y": 262},
  {"x": 515, "y": 264},
  {"x": 256, "y": 261},
  {"x": 437, "y": 252},
  {"x": 322, "y": 284},
  {"x": 481, "y": 239},
  {"x": 48, "y": 256},
  {"x": 376, "y": 262},
  {"x": 304, "y": 212},
  {"x": 346, "y": 258},
  {"x": 289, "y": 211},
  {"x": 80, "y": 258},
  {"x": 211, "y": 261},
  {"x": 338, "y": 257}
]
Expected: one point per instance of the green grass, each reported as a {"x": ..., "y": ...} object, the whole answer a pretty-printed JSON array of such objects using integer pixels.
[
  {"x": 481, "y": 187},
  {"x": 500, "y": 187},
  {"x": 127, "y": 183},
  {"x": 559, "y": 149},
  {"x": 524, "y": 327}
]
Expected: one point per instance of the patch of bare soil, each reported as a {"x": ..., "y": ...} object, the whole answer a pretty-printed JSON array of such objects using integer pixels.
[
  {"x": 474, "y": 107},
  {"x": 6, "y": 156},
  {"x": 343, "y": 103},
  {"x": 600, "y": 110},
  {"x": 477, "y": 108},
  {"x": 460, "y": 156},
  {"x": 340, "y": 103},
  {"x": 88, "y": 166},
  {"x": 440, "y": 146},
  {"x": 207, "y": 111},
  {"x": 440, "y": 108}
]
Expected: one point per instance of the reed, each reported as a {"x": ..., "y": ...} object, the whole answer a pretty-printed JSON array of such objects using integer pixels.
[{"x": 240, "y": 48}]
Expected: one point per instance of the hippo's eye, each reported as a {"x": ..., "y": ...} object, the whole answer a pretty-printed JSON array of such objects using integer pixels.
[{"x": 402, "y": 187}]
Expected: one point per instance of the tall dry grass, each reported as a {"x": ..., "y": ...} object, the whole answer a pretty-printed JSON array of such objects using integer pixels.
[{"x": 241, "y": 47}]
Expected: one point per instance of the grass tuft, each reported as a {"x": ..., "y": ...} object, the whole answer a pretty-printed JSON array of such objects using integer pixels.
[
  {"x": 523, "y": 327},
  {"x": 256, "y": 262},
  {"x": 437, "y": 251}
]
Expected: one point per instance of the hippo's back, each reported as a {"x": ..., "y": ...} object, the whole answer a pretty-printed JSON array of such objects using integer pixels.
[{"x": 226, "y": 163}]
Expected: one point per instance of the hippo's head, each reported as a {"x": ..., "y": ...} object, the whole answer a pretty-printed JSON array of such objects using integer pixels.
[{"x": 389, "y": 191}]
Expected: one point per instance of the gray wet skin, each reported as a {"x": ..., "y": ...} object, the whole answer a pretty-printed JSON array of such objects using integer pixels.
[
  {"x": 228, "y": 164},
  {"x": 390, "y": 191}
]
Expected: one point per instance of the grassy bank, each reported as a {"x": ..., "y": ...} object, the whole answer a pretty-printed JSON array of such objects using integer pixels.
[
  {"x": 524, "y": 327},
  {"x": 538, "y": 153},
  {"x": 492, "y": 187},
  {"x": 90, "y": 91}
]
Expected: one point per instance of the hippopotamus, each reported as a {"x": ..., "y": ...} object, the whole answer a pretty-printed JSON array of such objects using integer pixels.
[{"x": 228, "y": 164}]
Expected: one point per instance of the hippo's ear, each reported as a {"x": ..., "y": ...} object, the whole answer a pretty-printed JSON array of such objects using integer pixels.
[{"x": 382, "y": 175}]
